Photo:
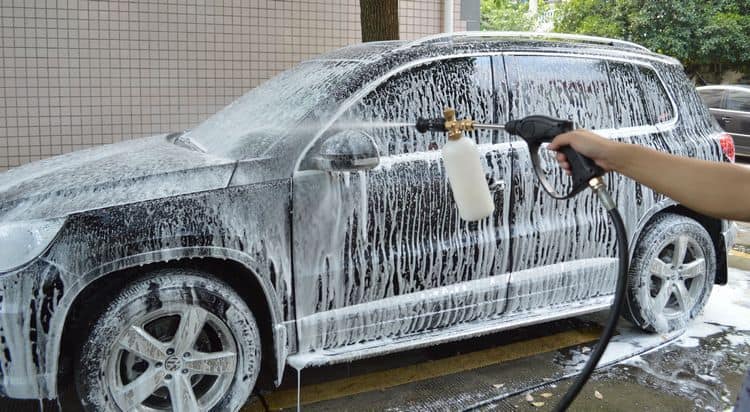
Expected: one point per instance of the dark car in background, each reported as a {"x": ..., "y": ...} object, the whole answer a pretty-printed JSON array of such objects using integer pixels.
[{"x": 730, "y": 105}]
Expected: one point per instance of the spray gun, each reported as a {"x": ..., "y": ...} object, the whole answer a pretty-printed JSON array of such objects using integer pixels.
[
  {"x": 534, "y": 130},
  {"x": 472, "y": 195}
]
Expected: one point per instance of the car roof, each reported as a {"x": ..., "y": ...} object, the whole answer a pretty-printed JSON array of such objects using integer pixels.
[
  {"x": 370, "y": 63},
  {"x": 525, "y": 36},
  {"x": 401, "y": 52}
]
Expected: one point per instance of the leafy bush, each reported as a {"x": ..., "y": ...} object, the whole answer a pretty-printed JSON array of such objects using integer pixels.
[
  {"x": 699, "y": 33},
  {"x": 505, "y": 15}
]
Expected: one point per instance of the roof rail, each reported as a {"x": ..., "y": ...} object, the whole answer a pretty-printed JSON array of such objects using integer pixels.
[{"x": 526, "y": 35}]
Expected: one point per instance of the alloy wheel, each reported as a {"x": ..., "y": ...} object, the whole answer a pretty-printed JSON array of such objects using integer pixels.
[
  {"x": 677, "y": 277},
  {"x": 180, "y": 358}
]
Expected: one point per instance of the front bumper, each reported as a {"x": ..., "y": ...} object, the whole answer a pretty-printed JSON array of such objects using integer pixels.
[{"x": 29, "y": 299}]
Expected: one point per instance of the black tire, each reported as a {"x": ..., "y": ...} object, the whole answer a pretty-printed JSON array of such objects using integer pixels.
[
  {"x": 143, "y": 339},
  {"x": 655, "y": 278}
]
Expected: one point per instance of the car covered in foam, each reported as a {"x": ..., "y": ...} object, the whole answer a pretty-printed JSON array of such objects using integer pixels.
[{"x": 308, "y": 223}]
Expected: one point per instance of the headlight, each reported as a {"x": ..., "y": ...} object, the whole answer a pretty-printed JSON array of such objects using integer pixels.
[{"x": 22, "y": 241}]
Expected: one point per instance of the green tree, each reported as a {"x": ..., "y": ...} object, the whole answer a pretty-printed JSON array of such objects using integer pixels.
[
  {"x": 506, "y": 15},
  {"x": 711, "y": 33},
  {"x": 592, "y": 17},
  {"x": 669, "y": 27},
  {"x": 726, "y": 38}
]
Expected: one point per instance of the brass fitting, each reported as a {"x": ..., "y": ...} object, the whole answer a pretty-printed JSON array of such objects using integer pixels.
[
  {"x": 456, "y": 127},
  {"x": 597, "y": 183},
  {"x": 600, "y": 188}
]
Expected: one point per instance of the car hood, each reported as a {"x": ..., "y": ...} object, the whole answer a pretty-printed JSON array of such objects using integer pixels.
[{"x": 126, "y": 172}]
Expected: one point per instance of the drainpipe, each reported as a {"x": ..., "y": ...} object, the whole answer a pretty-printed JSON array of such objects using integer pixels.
[{"x": 448, "y": 16}]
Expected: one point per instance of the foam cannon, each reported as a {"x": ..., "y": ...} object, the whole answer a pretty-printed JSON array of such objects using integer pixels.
[
  {"x": 470, "y": 189},
  {"x": 472, "y": 195},
  {"x": 464, "y": 168}
]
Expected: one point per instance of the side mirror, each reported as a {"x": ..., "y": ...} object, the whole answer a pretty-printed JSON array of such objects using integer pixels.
[{"x": 348, "y": 151}]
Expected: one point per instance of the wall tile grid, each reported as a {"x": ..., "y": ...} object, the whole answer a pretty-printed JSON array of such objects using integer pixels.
[{"x": 78, "y": 73}]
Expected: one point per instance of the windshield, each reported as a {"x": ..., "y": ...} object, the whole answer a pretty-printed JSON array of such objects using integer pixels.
[{"x": 254, "y": 122}]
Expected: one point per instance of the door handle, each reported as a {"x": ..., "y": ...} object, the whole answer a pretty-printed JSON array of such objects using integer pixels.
[{"x": 726, "y": 119}]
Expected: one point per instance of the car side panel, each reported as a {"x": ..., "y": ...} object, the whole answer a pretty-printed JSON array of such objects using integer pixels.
[
  {"x": 694, "y": 133},
  {"x": 382, "y": 254},
  {"x": 729, "y": 120},
  {"x": 546, "y": 231},
  {"x": 742, "y": 133},
  {"x": 737, "y": 124},
  {"x": 538, "y": 245},
  {"x": 249, "y": 224}
]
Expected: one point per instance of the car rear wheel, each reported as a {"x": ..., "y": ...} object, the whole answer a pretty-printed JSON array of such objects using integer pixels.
[
  {"x": 176, "y": 340},
  {"x": 671, "y": 274}
]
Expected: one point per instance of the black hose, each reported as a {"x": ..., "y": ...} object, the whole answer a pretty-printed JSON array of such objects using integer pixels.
[{"x": 614, "y": 313}]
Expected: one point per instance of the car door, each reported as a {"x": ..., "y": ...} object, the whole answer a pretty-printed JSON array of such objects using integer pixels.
[
  {"x": 644, "y": 115},
  {"x": 383, "y": 254},
  {"x": 713, "y": 98},
  {"x": 735, "y": 118},
  {"x": 562, "y": 249}
]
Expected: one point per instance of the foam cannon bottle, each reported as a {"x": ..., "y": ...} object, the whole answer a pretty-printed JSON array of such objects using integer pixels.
[{"x": 463, "y": 166}]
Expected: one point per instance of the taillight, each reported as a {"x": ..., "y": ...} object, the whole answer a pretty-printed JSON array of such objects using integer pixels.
[{"x": 727, "y": 145}]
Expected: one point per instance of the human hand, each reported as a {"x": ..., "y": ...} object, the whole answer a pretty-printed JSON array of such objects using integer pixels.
[{"x": 586, "y": 143}]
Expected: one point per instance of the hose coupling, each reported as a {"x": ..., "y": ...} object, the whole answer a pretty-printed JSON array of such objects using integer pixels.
[
  {"x": 455, "y": 127},
  {"x": 600, "y": 188},
  {"x": 597, "y": 183}
]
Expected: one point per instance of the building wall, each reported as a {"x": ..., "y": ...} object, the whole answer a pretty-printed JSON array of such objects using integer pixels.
[{"x": 79, "y": 73}]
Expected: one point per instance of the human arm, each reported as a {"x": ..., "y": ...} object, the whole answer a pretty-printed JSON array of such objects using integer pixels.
[{"x": 721, "y": 190}]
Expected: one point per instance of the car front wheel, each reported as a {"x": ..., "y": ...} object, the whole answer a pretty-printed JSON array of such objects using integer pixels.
[
  {"x": 671, "y": 274},
  {"x": 176, "y": 340}
]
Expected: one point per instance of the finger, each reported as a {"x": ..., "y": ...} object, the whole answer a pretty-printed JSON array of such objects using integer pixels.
[
  {"x": 560, "y": 141},
  {"x": 561, "y": 157},
  {"x": 565, "y": 165}
]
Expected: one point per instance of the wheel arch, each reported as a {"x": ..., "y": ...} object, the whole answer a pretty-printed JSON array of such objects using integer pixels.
[
  {"x": 257, "y": 292},
  {"x": 713, "y": 227}
]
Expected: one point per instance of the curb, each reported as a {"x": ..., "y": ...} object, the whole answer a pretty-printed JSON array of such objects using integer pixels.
[{"x": 739, "y": 258}]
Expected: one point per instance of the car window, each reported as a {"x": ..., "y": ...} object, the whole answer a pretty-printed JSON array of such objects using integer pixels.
[
  {"x": 712, "y": 97},
  {"x": 658, "y": 106},
  {"x": 266, "y": 114},
  {"x": 630, "y": 98},
  {"x": 639, "y": 96},
  {"x": 564, "y": 87},
  {"x": 389, "y": 112},
  {"x": 737, "y": 100}
]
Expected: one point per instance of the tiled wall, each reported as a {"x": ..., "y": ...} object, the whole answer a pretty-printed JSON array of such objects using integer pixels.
[{"x": 77, "y": 73}]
